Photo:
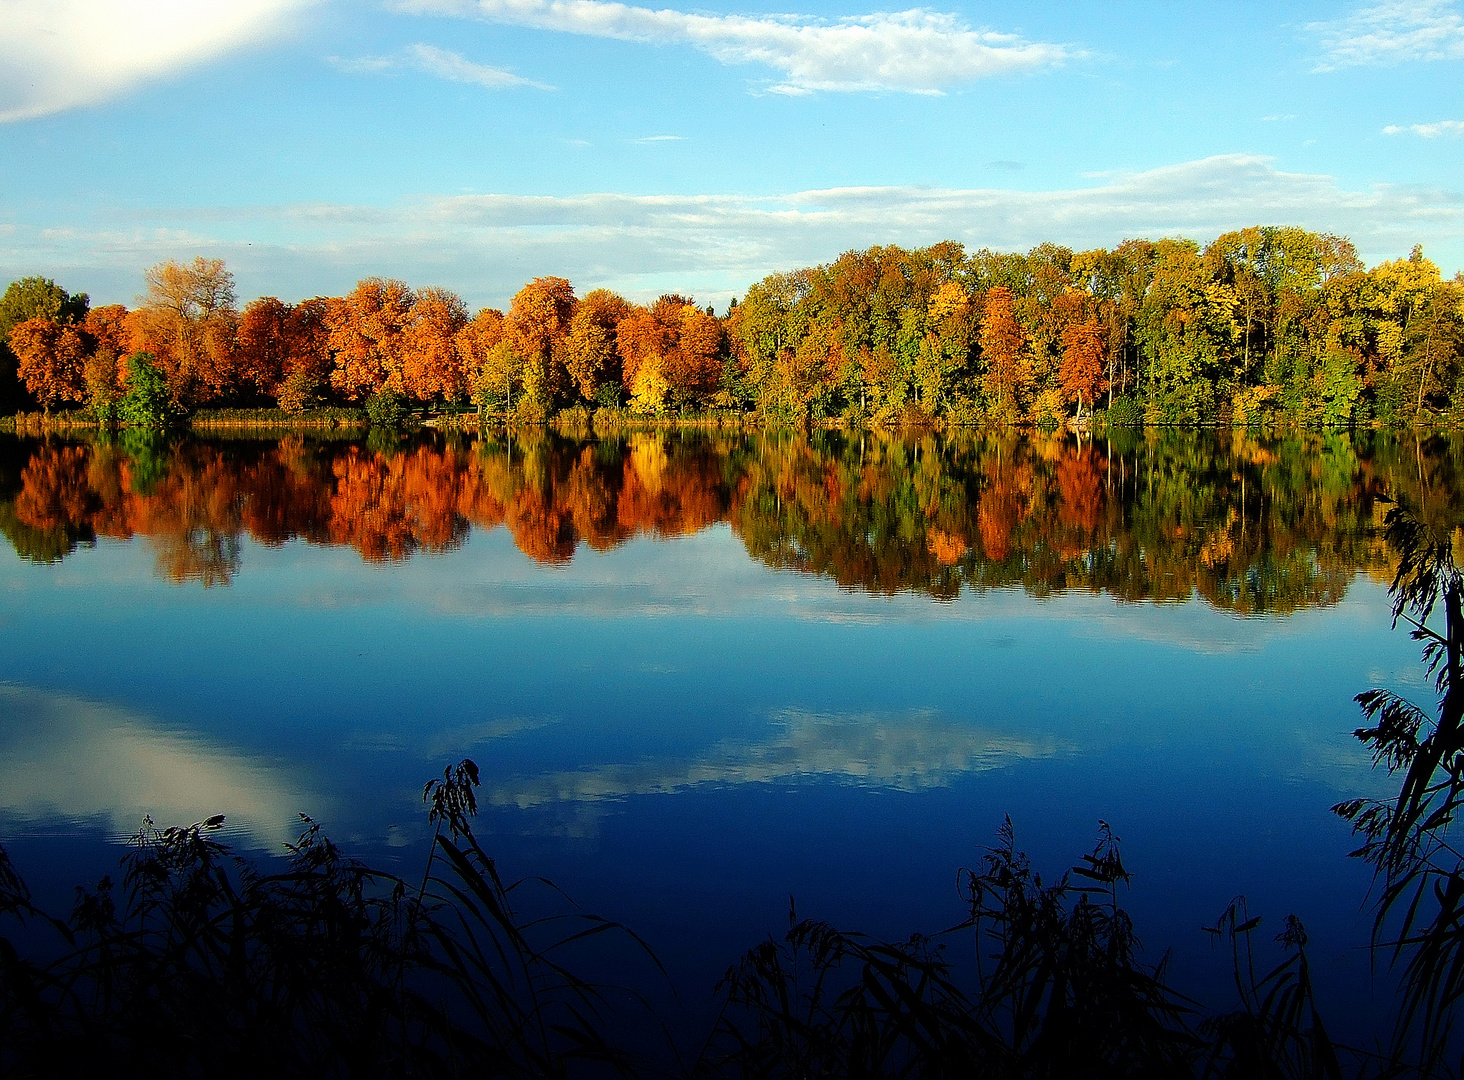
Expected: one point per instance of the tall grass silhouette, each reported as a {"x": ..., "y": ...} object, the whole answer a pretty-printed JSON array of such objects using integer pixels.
[
  {"x": 1410, "y": 840},
  {"x": 196, "y": 962}
]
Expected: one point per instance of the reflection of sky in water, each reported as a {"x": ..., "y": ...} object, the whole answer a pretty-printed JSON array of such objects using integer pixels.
[
  {"x": 70, "y": 760},
  {"x": 670, "y": 727}
]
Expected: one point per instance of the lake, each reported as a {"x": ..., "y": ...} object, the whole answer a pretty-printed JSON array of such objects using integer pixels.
[{"x": 702, "y": 672}]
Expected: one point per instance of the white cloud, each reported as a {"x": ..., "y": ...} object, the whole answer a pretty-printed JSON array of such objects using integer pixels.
[
  {"x": 657, "y": 138},
  {"x": 363, "y": 65},
  {"x": 439, "y": 63},
  {"x": 59, "y": 54},
  {"x": 1454, "y": 128},
  {"x": 917, "y": 51},
  {"x": 1392, "y": 32},
  {"x": 712, "y": 245},
  {"x": 454, "y": 68}
]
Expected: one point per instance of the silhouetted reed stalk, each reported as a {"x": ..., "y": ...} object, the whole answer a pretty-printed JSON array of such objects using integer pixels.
[
  {"x": 1419, "y": 913},
  {"x": 1060, "y": 991},
  {"x": 200, "y": 964}
]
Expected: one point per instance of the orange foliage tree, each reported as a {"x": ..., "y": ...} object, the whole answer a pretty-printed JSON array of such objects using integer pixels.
[
  {"x": 50, "y": 356},
  {"x": 432, "y": 368},
  {"x": 697, "y": 362},
  {"x": 284, "y": 349},
  {"x": 477, "y": 346},
  {"x": 264, "y": 343},
  {"x": 190, "y": 324},
  {"x": 367, "y": 332},
  {"x": 1002, "y": 345},
  {"x": 1081, "y": 373},
  {"x": 108, "y": 328},
  {"x": 675, "y": 341},
  {"x": 104, "y": 331}
]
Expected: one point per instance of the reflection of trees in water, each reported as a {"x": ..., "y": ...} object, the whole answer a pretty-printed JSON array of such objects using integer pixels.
[{"x": 1251, "y": 524}]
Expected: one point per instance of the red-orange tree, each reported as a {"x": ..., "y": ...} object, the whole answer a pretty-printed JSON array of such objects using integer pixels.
[
  {"x": 1083, "y": 352},
  {"x": 50, "y": 356},
  {"x": 432, "y": 368},
  {"x": 367, "y": 333},
  {"x": 1002, "y": 345}
]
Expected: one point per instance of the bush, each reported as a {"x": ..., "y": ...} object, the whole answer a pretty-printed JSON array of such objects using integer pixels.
[
  {"x": 1125, "y": 412},
  {"x": 299, "y": 391},
  {"x": 148, "y": 401},
  {"x": 386, "y": 409}
]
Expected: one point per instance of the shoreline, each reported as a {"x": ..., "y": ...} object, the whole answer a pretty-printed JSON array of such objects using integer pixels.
[{"x": 471, "y": 423}]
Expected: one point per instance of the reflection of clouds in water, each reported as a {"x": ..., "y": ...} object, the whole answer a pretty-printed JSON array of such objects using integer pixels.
[
  {"x": 61, "y": 757},
  {"x": 462, "y": 740},
  {"x": 906, "y": 752}
]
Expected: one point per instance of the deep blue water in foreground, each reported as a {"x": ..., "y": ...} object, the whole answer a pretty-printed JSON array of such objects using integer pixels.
[{"x": 681, "y": 734}]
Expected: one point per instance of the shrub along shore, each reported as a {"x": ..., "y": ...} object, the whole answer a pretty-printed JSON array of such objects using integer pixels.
[{"x": 1262, "y": 326}]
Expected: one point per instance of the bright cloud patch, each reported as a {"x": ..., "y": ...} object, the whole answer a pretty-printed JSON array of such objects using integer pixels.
[
  {"x": 58, "y": 54},
  {"x": 1428, "y": 131},
  {"x": 438, "y": 62},
  {"x": 916, "y": 51},
  {"x": 1391, "y": 32},
  {"x": 714, "y": 246}
]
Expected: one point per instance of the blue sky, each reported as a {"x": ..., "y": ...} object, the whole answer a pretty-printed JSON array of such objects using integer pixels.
[{"x": 478, "y": 143}]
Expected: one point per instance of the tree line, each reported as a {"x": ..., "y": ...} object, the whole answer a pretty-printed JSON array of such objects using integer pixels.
[{"x": 1262, "y": 325}]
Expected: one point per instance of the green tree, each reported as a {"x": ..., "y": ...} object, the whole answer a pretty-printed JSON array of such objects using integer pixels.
[{"x": 148, "y": 402}]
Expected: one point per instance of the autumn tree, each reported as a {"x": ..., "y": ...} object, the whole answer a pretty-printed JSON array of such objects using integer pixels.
[
  {"x": 188, "y": 322},
  {"x": 479, "y": 353},
  {"x": 536, "y": 329},
  {"x": 945, "y": 350},
  {"x": 591, "y": 358},
  {"x": 431, "y": 366},
  {"x": 104, "y": 334},
  {"x": 32, "y": 298},
  {"x": 645, "y": 339},
  {"x": 264, "y": 344},
  {"x": 368, "y": 335},
  {"x": 1081, "y": 374},
  {"x": 1002, "y": 346},
  {"x": 696, "y": 366},
  {"x": 681, "y": 343},
  {"x": 50, "y": 356}
]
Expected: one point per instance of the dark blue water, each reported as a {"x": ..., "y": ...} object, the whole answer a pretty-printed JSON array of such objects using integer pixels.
[{"x": 681, "y": 732}]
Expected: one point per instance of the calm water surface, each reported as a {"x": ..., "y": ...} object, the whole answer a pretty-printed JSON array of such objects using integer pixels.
[{"x": 702, "y": 674}]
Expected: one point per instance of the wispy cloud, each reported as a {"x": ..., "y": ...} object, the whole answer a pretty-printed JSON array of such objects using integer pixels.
[
  {"x": 917, "y": 51},
  {"x": 1392, "y": 32},
  {"x": 441, "y": 63},
  {"x": 1453, "y": 128},
  {"x": 714, "y": 245},
  {"x": 60, "y": 54},
  {"x": 455, "y": 68},
  {"x": 657, "y": 138}
]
